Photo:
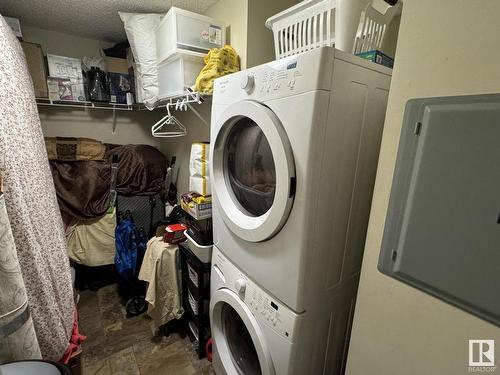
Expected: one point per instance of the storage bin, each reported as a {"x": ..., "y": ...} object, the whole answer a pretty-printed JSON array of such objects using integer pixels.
[
  {"x": 203, "y": 253},
  {"x": 349, "y": 25},
  {"x": 187, "y": 32},
  {"x": 177, "y": 73}
]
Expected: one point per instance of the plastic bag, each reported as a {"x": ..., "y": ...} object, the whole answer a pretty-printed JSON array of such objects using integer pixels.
[{"x": 141, "y": 34}]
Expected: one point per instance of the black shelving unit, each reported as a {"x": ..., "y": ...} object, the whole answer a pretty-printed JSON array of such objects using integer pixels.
[{"x": 196, "y": 282}]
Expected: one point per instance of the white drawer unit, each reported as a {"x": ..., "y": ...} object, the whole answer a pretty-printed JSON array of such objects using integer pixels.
[
  {"x": 177, "y": 73},
  {"x": 188, "y": 32}
]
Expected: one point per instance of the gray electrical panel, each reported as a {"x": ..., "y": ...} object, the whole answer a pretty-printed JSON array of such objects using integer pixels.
[{"x": 442, "y": 232}]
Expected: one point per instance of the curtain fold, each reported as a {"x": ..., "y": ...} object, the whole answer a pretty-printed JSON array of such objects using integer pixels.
[{"x": 17, "y": 335}]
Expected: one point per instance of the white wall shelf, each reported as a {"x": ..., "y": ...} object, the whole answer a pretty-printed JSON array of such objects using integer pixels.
[{"x": 77, "y": 104}]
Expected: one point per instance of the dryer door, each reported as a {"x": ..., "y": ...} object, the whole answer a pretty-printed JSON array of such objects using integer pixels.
[
  {"x": 239, "y": 342},
  {"x": 253, "y": 171}
]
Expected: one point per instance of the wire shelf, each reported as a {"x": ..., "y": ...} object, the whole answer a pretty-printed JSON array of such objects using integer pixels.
[{"x": 83, "y": 105}]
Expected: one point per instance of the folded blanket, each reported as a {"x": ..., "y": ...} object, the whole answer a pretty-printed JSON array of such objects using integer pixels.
[{"x": 72, "y": 149}]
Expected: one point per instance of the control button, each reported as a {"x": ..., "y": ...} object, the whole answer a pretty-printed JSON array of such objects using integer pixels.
[
  {"x": 240, "y": 285},
  {"x": 247, "y": 83}
]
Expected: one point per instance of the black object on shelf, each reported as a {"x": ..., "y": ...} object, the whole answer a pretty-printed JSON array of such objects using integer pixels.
[
  {"x": 196, "y": 292},
  {"x": 98, "y": 84}
]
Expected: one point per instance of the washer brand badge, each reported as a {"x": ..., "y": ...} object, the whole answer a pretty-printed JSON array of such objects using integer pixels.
[
  {"x": 291, "y": 65},
  {"x": 482, "y": 356}
]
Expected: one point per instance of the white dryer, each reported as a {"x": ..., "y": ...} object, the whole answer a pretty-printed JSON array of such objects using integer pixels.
[{"x": 294, "y": 147}]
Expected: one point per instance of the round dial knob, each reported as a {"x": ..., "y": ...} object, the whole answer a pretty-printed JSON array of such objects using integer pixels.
[
  {"x": 240, "y": 285},
  {"x": 247, "y": 83}
]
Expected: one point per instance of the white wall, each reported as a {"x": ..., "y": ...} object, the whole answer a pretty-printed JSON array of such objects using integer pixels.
[
  {"x": 181, "y": 147},
  {"x": 63, "y": 44},
  {"x": 235, "y": 15},
  {"x": 131, "y": 127},
  {"x": 445, "y": 47},
  {"x": 260, "y": 42}
]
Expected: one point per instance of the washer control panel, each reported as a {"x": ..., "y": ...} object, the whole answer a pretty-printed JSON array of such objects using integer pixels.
[
  {"x": 266, "y": 309},
  {"x": 269, "y": 311}
]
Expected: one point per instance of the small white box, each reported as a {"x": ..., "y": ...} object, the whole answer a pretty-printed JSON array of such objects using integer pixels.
[
  {"x": 177, "y": 73},
  {"x": 188, "y": 32},
  {"x": 15, "y": 25}
]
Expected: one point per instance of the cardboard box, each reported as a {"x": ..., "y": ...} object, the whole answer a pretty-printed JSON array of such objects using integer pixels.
[
  {"x": 59, "y": 88},
  {"x": 377, "y": 57},
  {"x": 199, "y": 211},
  {"x": 119, "y": 86},
  {"x": 116, "y": 65},
  {"x": 68, "y": 67},
  {"x": 36, "y": 67},
  {"x": 65, "y": 67},
  {"x": 15, "y": 25}
]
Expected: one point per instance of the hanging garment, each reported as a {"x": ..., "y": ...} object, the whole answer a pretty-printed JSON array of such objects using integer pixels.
[
  {"x": 92, "y": 243},
  {"x": 159, "y": 268},
  {"x": 31, "y": 203},
  {"x": 17, "y": 335}
]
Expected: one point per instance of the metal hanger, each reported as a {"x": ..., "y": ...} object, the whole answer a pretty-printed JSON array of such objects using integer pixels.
[{"x": 176, "y": 129}]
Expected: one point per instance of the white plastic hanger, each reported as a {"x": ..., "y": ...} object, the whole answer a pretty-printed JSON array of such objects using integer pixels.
[{"x": 178, "y": 130}]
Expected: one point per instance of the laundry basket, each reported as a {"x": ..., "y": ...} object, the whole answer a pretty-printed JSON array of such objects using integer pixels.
[{"x": 317, "y": 23}]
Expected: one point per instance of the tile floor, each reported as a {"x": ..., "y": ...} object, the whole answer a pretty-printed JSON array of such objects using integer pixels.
[{"x": 117, "y": 345}]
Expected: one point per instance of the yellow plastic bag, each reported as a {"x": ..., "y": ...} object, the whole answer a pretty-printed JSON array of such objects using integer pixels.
[{"x": 218, "y": 63}]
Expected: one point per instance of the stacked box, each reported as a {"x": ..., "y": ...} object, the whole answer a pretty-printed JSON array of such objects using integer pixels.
[{"x": 70, "y": 68}]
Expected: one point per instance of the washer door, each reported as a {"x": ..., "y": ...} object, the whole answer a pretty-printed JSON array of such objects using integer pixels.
[
  {"x": 253, "y": 171},
  {"x": 239, "y": 341}
]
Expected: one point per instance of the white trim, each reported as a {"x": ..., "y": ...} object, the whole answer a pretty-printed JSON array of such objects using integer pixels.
[{"x": 248, "y": 227}]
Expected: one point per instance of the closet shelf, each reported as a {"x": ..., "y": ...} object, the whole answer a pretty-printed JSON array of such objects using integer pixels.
[{"x": 91, "y": 105}]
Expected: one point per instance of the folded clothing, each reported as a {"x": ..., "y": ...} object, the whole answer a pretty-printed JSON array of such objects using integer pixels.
[
  {"x": 92, "y": 243},
  {"x": 72, "y": 149}
]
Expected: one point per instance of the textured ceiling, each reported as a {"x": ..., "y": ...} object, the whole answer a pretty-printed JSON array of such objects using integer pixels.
[{"x": 96, "y": 19}]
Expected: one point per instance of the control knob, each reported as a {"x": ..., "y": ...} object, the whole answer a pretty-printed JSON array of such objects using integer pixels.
[
  {"x": 247, "y": 83},
  {"x": 240, "y": 285}
]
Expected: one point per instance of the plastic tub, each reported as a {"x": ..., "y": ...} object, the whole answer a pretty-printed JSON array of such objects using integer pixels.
[
  {"x": 203, "y": 253},
  {"x": 188, "y": 32},
  {"x": 177, "y": 73}
]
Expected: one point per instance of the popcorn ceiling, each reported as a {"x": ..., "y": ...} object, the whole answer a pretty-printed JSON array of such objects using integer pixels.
[{"x": 97, "y": 19}]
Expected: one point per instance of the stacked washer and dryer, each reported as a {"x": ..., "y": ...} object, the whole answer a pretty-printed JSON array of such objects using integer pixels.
[{"x": 294, "y": 147}]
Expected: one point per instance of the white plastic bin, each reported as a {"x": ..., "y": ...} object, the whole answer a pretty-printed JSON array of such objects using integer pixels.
[
  {"x": 188, "y": 32},
  {"x": 203, "y": 253},
  {"x": 316, "y": 23},
  {"x": 176, "y": 73}
]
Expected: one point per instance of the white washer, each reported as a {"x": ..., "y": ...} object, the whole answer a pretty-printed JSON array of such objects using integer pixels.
[
  {"x": 254, "y": 333},
  {"x": 294, "y": 146}
]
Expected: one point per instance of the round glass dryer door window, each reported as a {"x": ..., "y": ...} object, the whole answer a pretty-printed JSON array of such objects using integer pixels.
[
  {"x": 253, "y": 171},
  {"x": 250, "y": 169}
]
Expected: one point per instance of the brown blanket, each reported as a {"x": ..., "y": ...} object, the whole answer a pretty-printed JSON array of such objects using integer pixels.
[{"x": 83, "y": 187}]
